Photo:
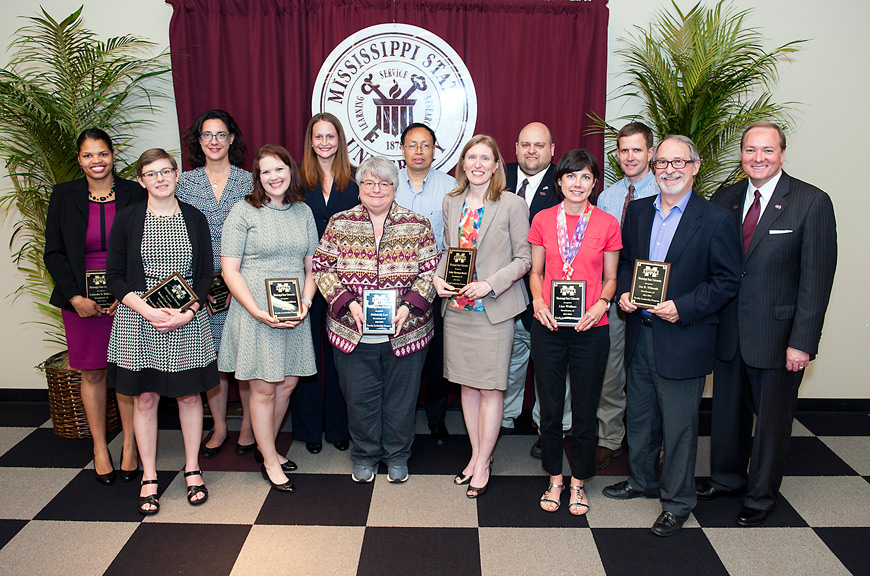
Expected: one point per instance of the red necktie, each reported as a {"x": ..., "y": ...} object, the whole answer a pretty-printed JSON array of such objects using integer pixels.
[
  {"x": 628, "y": 199},
  {"x": 751, "y": 221},
  {"x": 522, "y": 192}
]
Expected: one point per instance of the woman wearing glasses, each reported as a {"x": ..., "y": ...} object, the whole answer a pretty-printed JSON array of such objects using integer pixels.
[
  {"x": 217, "y": 151},
  {"x": 156, "y": 352},
  {"x": 329, "y": 189},
  {"x": 378, "y": 245},
  {"x": 80, "y": 216}
]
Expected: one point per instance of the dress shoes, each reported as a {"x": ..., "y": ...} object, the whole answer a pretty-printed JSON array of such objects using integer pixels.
[
  {"x": 668, "y": 524},
  {"x": 706, "y": 491},
  {"x": 285, "y": 487},
  {"x": 289, "y": 466},
  {"x": 537, "y": 451},
  {"x": 212, "y": 452},
  {"x": 341, "y": 445},
  {"x": 624, "y": 491},
  {"x": 108, "y": 478},
  {"x": 751, "y": 516},
  {"x": 128, "y": 475},
  {"x": 439, "y": 434},
  {"x": 314, "y": 447},
  {"x": 604, "y": 455},
  {"x": 242, "y": 449}
]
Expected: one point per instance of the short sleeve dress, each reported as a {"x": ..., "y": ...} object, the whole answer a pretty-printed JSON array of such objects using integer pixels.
[
  {"x": 141, "y": 359},
  {"x": 195, "y": 188},
  {"x": 272, "y": 242}
]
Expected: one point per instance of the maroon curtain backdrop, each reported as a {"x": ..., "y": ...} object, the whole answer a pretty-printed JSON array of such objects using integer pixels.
[{"x": 258, "y": 59}]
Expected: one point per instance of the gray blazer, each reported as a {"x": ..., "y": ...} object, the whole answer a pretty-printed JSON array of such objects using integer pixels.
[{"x": 503, "y": 252}]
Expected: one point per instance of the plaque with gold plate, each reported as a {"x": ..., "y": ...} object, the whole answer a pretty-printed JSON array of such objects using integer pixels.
[
  {"x": 567, "y": 301},
  {"x": 97, "y": 290},
  {"x": 379, "y": 309},
  {"x": 219, "y": 291},
  {"x": 649, "y": 283},
  {"x": 171, "y": 292},
  {"x": 460, "y": 266},
  {"x": 282, "y": 295}
]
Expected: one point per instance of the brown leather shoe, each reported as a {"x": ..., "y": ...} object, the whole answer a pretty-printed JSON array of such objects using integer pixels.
[{"x": 604, "y": 455}]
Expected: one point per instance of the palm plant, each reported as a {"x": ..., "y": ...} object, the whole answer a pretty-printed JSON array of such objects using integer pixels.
[
  {"x": 705, "y": 75},
  {"x": 60, "y": 80}
]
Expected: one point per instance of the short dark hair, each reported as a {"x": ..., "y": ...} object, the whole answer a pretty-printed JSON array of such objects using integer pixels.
[
  {"x": 153, "y": 155},
  {"x": 238, "y": 150},
  {"x": 575, "y": 161},
  {"x": 417, "y": 125},
  {"x": 94, "y": 134},
  {"x": 633, "y": 128},
  {"x": 295, "y": 193},
  {"x": 764, "y": 125}
]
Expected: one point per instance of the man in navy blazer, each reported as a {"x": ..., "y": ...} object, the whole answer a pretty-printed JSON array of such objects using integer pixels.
[
  {"x": 669, "y": 349},
  {"x": 530, "y": 177},
  {"x": 771, "y": 330}
]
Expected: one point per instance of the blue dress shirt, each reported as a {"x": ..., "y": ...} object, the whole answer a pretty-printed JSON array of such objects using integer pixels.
[{"x": 427, "y": 201}]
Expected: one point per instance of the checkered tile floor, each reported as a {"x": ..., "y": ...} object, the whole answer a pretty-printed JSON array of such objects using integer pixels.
[{"x": 55, "y": 519}]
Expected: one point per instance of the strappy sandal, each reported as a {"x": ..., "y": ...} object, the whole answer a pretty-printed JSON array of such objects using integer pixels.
[
  {"x": 576, "y": 501},
  {"x": 151, "y": 500},
  {"x": 193, "y": 491},
  {"x": 545, "y": 499}
]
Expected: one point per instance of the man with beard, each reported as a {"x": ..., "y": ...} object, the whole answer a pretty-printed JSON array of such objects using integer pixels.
[{"x": 669, "y": 348}]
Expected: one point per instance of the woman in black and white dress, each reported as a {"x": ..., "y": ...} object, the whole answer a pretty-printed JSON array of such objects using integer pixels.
[{"x": 156, "y": 352}]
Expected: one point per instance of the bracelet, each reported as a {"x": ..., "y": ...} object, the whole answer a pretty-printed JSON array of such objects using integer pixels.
[
  {"x": 407, "y": 305},
  {"x": 307, "y": 301},
  {"x": 258, "y": 315},
  {"x": 606, "y": 301}
]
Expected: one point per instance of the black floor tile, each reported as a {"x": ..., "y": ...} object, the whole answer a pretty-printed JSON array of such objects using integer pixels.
[
  {"x": 633, "y": 551},
  {"x": 850, "y": 547},
  {"x": 809, "y": 456},
  {"x": 420, "y": 551},
  {"x": 836, "y": 423},
  {"x": 24, "y": 414},
  {"x": 427, "y": 458},
  {"x": 722, "y": 513},
  {"x": 83, "y": 499},
  {"x": 513, "y": 501},
  {"x": 156, "y": 548},
  {"x": 348, "y": 502},
  {"x": 9, "y": 528},
  {"x": 228, "y": 461},
  {"x": 43, "y": 449}
]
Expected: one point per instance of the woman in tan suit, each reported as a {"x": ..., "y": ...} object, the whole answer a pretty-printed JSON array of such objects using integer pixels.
[{"x": 479, "y": 317}]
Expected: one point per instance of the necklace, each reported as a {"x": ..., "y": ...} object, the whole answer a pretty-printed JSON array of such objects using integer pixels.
[
  {"x": 163, "y": 216},
  {"x": 102, "y": 198},
  {"x": 217, "y": 182}
]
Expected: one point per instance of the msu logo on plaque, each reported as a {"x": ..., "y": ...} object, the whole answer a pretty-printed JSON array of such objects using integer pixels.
[{"x": 385, "y": 77}]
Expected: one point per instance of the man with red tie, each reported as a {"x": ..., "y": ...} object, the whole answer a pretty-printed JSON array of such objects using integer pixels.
[{"x": 770, "y": 332}]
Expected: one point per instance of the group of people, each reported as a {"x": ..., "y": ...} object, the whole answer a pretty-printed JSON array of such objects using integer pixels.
[{"x": 750, "y": 311}]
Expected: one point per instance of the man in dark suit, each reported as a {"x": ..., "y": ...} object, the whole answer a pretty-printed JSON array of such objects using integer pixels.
[
  {"x": 771, "y": 330},
  {"x": 669, "y": 349},
  {"x": 531, "y": 178}
]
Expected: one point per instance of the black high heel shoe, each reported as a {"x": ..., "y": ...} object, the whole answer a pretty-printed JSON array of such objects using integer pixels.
[
  {"x": 195, "y": 490},
  {"x": 128, "y": 475},
  {"x": 150, "y": 499},
  {"x": 462, "y": 479},
  {"x": 108, "y": 478},
  {"x": 476, "y": 492},
  {"x": 285, "y": 487}
]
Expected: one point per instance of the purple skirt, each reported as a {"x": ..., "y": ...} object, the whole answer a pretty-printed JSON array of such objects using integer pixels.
[{"x": 87, "y": 340}]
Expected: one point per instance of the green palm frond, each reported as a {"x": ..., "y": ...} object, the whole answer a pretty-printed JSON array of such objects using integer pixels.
[
  {"x": 703, "y": 74},
  {"x": 62, "y": 79}
]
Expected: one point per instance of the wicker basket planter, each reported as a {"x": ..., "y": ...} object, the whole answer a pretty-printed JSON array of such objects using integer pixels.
[{"x": 65, "y": 400}]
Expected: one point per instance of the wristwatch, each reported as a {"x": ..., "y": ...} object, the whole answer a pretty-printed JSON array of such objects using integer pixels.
[{"x": 606, "y": 301}]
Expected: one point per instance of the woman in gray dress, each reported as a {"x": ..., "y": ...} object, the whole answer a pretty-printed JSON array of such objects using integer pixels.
[
  {"x": 217, "y": 182},
  {"x": 270, "y": 235}
]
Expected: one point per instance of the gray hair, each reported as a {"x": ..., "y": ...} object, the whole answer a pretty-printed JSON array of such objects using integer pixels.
[
  {"x": 379, "y": 167},
  {"x": 693, "y": 150}
]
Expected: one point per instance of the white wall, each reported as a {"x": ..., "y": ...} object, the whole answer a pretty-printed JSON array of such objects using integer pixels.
[{"x": 825, "y": 77}]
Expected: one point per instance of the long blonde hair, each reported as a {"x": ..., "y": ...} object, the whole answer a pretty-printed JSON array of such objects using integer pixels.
[{"x": 498, "y": 181}]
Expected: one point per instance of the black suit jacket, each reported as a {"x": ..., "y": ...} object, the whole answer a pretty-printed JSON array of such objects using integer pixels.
[
  {"x": 66, "y": 225},
  {"x": 705, "y": 257},
  {"x": 545, "y": 197},
  {"x": 788, "y": 272},
  {"x": 124, "y": 269},
  {"x": 339, "y": 201}
]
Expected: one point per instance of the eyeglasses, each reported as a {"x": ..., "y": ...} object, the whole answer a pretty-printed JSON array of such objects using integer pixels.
[
  {"x": 415, "y": 147},
  {"x": 677, "y": 163},
  {"x": 207, "y": 136},
  {"x": 152, "y": 174},
  {"x": 383, "y": 184}
]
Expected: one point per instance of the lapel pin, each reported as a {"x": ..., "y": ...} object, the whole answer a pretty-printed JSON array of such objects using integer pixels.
[
  {"x": 778, "y": 206},
  {"x": 735, "y": 207}
]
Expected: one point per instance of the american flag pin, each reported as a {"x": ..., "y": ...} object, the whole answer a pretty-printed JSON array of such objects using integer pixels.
[{"x": 778, "y": 206}]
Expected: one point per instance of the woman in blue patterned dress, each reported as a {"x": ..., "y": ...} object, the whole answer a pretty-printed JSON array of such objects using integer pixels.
[{"x": 216, "y": 149}]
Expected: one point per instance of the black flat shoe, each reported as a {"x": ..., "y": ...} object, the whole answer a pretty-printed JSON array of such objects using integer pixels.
[
  {"x": 150, "y": 499},
  {"x": 342, "y": 445},
  {"x": 285, "y": 487},
  {"x": 314, "y": 447},
  {"x": 109, "y": 477},
  {"x": 242, "y": 449},
  {"x": 289, "y": 466},
  {"x": 212, "y": 452},
  {"x": 128, "y": 475},
  {"x": 193, "y": 491}
]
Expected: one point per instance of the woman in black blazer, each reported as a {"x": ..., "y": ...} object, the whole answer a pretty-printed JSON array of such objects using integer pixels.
[
  {"x": 160, "y": 351},
  {"x": 80, "y": 216}
]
